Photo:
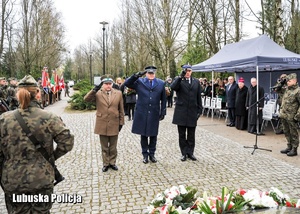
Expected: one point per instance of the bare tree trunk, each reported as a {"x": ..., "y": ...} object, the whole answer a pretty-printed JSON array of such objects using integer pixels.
[
  {"x": 26, "y": 24},
  {"x": 263, "y": 25},
  {"x": 279, "y": 26},
  {"x": 237, "y": 20}
]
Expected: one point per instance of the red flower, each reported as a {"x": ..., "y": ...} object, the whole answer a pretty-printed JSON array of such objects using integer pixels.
[
  {"x": 290, "y": 204},
  {"x": 242, "y": 191}
]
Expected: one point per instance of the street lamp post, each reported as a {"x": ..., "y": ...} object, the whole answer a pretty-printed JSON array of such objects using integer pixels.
[
  {"x": 78, "y": 74},
  {"x": 103, "y": 28},
  {"x": 91, "y": 75}
]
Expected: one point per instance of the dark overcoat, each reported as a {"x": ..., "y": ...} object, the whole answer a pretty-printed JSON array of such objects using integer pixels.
[
  {"x": 240, "y": 101},
  {"x": 250, "y": 103},
  {"x": 150, "y": 105},
  {"x": 231, "y": 95},
  {"x": 188, "y": 104}
]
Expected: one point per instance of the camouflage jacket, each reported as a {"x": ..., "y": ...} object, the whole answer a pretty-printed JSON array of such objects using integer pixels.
[
  {"x": 12, "y": 97},
  {"x": 290, "y": 107},
  {"x": 280, "y": 90},
  {"x": 23, "y": 169},
  {"x": 3, "y": 92}
]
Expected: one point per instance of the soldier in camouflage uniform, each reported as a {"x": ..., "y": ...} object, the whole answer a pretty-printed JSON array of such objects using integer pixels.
[
  {"x": 280, "y": 88},
  {"x": 12, "y": 94},
  {"x": 3, "y": 95},
  {"x": 42, "y": 100},
  {"x": 290, "y": 115},
  {"x": 23, "y": 169}
]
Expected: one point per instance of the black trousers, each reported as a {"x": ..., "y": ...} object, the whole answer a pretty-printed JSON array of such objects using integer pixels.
[
  {"x": 148, "y": 148},
  {"x": 170, "y": 101},
  {"x": 186, "y": 139},
  {"x": 130, "y": 110},
  {"x": 231, "y": 115}
]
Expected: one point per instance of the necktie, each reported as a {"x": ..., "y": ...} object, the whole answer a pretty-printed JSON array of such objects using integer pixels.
[
  {"x": 150, "y": 83},
  {"x": 108, "y": 96}
]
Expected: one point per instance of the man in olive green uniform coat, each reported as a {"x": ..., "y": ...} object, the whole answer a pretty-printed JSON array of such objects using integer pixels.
[
  {"x": 290, "y": 115},
  {"x": 109, "y": 119}
]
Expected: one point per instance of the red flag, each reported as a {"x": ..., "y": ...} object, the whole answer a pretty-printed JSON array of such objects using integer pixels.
[
  {"x": 45, "y": 77},
  {"x": 56, "y": 82},
  {"x": 62, "y": 82}
]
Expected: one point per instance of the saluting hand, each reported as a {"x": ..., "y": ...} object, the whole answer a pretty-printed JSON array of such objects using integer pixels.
[
  {"x": 183, "y": 72},
  {"x": 97, "y": 87},
  {"x": 140, "y": 73}
]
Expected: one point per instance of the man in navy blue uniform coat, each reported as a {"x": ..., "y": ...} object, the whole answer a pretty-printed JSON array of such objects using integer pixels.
[
  {"x": 188, "y": 109},
  {"x": 150, "y": 109}
]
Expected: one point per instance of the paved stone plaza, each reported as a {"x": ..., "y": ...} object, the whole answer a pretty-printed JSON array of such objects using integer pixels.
[{"x": 221, "y": 162}]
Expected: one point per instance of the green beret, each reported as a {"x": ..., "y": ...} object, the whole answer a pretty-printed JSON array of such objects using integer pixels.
[
  {"x": 27, "y": 81},
  {"x": 291, "y": 76}
]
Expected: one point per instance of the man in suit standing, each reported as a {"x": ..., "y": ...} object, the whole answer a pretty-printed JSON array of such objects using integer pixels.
[
  {"x": 109, "y": 119},
  {"x": 230, "y": 100},
  {"x": 150, "y": 109},
  {"x": 188, "y": 109}
]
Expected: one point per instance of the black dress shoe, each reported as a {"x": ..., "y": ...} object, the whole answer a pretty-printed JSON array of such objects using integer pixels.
[
  {"x": 104, "y": 169},
  {"x": 114, "y": 167},
  {"x": 229, "y": 124},
  {"x": 232, "y": 125},
  {"x": 153, "y": 159},
  {"x": 192, "y": 157},
  {"x": 183, "y": 158},
  {"x": 145, "y": 160}
]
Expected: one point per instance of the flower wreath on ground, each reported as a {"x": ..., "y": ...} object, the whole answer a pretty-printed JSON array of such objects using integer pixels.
[{"x": 181, "y": 200}]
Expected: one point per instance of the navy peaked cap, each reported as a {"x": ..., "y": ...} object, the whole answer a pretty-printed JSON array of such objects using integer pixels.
[{"x": 150, "y": 69}]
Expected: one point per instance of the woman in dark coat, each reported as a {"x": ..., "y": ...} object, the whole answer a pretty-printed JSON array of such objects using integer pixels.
[
  {"x": 130, "y": 99},
  {"x": 241, "y": 112},
  {"x": 252, "y": 107}
]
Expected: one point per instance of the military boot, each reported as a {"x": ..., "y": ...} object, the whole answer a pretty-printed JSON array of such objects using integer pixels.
[
  {"x": 287, "y": 150},
  {"x": 293, "y": 152}
]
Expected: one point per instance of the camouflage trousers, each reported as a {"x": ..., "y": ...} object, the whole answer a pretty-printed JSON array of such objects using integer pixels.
[
  {"x": 29, "y": 207},
  {"x": 290, "y": 129}
]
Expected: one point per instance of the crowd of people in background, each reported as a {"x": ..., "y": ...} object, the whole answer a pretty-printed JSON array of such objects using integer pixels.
[{"x": 51, "y": 90}]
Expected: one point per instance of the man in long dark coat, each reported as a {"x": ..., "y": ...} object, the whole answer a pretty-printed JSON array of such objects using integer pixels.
[
  {"x": 230, "y": 100},
  {"x": 252, "y": 107},
  {"x": 150, "y": 109},
  {"x": 241, "y": 112},
  {"x": 188, "y": 109}
]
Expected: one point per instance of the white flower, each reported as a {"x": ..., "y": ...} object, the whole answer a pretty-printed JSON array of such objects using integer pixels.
[
  {"x": 182, "y": 189},
  {"x": 277, "y": 192},
  {"x": 181, "y": 211},
  {"x": 159, "y": 197},
  {"x": 298, "y": 204},
  {"x": 267, "y": 201},
  {"x": 169, "y": 201},
  {"x": 150, "y": 208},
  {"x": 172, "y": 193},
  {"x": 258, "y": 198}
]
